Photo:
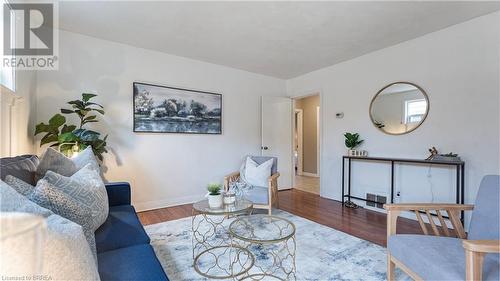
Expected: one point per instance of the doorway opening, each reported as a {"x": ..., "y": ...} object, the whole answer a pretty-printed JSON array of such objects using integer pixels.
[{"x": 306, "y": 143}]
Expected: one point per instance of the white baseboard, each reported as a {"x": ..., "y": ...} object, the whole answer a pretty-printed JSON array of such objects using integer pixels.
[
  {"x": 310, "y": 174},
  {"x": 163, "y": 203}
]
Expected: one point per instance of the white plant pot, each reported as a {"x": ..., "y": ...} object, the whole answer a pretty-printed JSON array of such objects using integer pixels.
[{"x": 215, "y": 201}]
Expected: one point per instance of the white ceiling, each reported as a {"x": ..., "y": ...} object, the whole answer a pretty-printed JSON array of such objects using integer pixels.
[{"x": 280, "y": 39}]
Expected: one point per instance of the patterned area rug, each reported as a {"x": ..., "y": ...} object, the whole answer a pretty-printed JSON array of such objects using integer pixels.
[{"x": 323, "y": 253}]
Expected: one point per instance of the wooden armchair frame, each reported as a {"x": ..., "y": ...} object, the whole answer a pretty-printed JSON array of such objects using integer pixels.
[
  {"x": 272, "y": 189},
  {"x": 475, "y": 250}
]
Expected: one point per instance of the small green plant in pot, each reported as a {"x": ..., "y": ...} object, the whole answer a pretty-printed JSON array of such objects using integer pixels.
[
  {"x": 214, "y": 195},
  {"x": 352, "y": 141}
]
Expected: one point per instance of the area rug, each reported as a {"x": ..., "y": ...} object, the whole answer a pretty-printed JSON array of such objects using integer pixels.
[{"x": 323, "y": 253}]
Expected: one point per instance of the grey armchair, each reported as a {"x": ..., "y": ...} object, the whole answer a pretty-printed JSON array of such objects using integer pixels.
[
  {"x": 449, "y": 258},
  {"x": 263, "y": 197}
]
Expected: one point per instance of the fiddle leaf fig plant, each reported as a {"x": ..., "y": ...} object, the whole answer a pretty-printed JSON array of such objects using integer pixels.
[
  {"x": 70, "y": 137},
  {"x": 352, "y": 140}
]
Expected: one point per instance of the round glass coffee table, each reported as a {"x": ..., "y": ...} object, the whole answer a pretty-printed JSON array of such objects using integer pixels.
[
  {"x": 213, "y": 253},
  {"x": 272, "y": 240}
]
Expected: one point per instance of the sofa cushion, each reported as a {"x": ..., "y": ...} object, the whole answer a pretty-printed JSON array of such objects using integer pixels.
[
  {"x": 22, "y": 167},
  {"x": 257, "y": 194},
  {"x": 121, "y": 229},
  {"x": 437, "y": 258},
  {"x": 137, "y": 262}
]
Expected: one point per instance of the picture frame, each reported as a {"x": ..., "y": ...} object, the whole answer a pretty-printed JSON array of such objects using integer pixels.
[{"x": 166, "y": 109}]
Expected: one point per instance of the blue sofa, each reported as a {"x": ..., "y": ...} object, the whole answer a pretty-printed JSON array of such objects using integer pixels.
[{"x": 123, "y": 249}]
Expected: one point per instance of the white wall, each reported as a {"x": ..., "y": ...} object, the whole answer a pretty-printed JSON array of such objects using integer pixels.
[
  {"x": 458, "y": 67},
  {"x": 164, "y": 169}
]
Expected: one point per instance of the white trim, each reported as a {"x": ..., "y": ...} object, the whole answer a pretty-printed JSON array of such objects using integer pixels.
[
  {"x": 318, "y": 127},
  {"x": 303, "y": 94},
  {"x": 306, "y": 174},
  {"x": 164, "y": 203},
  {"x": 300, "y": 140}
]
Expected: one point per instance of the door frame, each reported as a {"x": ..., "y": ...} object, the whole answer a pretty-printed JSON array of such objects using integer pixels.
[
  {"x": 299, "y": 113},
  {"x": 304, "y": 94}
]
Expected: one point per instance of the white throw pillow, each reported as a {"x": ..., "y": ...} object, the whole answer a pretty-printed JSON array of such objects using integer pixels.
[{"x": 258, "y": 175}]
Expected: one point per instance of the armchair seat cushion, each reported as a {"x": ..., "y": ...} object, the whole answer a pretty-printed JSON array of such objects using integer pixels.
[
  {"x": 121, "y": 229},
  {"x": 258, "y": 195},
  {"x": 437, "y": 258}
]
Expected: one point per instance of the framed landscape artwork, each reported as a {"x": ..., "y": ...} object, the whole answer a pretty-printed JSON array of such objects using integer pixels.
[{"x": 162, "y": 109}]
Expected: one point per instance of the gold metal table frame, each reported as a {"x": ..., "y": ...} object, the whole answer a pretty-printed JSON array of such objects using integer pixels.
[
  {"x": 211, "y": 240},
  {"x": 278, "y": 245}
]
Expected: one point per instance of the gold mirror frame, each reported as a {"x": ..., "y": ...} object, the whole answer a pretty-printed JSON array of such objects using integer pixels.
[{"x": 387, "y": 86}]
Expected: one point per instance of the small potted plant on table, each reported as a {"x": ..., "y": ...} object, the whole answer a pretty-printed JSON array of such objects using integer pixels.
[
  {"x": 352, "y": 141},
  {"x": 214, "y": 195}
]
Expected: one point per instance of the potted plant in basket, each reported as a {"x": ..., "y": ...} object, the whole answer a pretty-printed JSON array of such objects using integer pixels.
[
  {"x": 214, "y": 195},
  {"x": 352, "y": 141}
]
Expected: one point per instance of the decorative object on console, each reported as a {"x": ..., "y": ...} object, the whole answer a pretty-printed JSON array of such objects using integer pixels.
[
  {"x": 433, "y": 152},
  {"x": 435, "y": 156},
  {"x": 352, "y": 141},
  {"x": 70, "y": 139},
  {"x": 447, "y": 157},
  {"x": 214, "y": 195},
  {"x": 229, "y": 197},
  {"x": 162, "y": 109},
  {"x": 399, "y": 108}
]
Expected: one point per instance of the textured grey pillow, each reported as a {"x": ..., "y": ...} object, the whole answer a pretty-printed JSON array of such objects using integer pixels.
[
  {"x": 55, "y": 161},
  {"x": 20, "y": 186},
  {"x": 51, "y": 197},
  {"x": 66, "y": 254},
  {"x": 88, "y": 188}
]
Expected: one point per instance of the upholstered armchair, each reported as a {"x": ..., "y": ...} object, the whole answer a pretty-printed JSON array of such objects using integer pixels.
[
  {"x": 263, "y": 197},
  {"x": 458, "y": 255}
]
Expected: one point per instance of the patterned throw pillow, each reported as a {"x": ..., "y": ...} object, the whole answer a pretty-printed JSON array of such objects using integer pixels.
[
  {"x": 51, "y": 197},
  {"x": 55, "y": 161},
  {"x": 65, "y": 254},
  {"x": 87, "y": 187},
  {"x": 20, "y": 186}
]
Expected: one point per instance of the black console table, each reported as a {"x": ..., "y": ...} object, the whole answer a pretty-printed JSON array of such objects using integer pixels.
[{"x": 460, "y": 175}]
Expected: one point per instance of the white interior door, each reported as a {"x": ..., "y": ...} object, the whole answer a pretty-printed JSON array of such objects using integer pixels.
[{"x": 277, "y": 135}]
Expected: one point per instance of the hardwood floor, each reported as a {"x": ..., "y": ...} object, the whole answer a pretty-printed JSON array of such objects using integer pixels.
[
  {"x": 308, "y": 184},
  {"x": 365, "y": 224}
]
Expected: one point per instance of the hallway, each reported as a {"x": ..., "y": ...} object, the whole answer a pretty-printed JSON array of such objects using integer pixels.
[{"x": 307, "y": 184}]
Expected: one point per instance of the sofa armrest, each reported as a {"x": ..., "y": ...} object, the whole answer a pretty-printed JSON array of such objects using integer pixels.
[{"x": 118, "y": 193}]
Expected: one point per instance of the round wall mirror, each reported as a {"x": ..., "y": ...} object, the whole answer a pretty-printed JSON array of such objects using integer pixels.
[{"x": 399, "y": 108}]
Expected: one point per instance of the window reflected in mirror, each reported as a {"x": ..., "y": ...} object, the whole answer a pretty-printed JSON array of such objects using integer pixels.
[{"x": 399, "y": 108}]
